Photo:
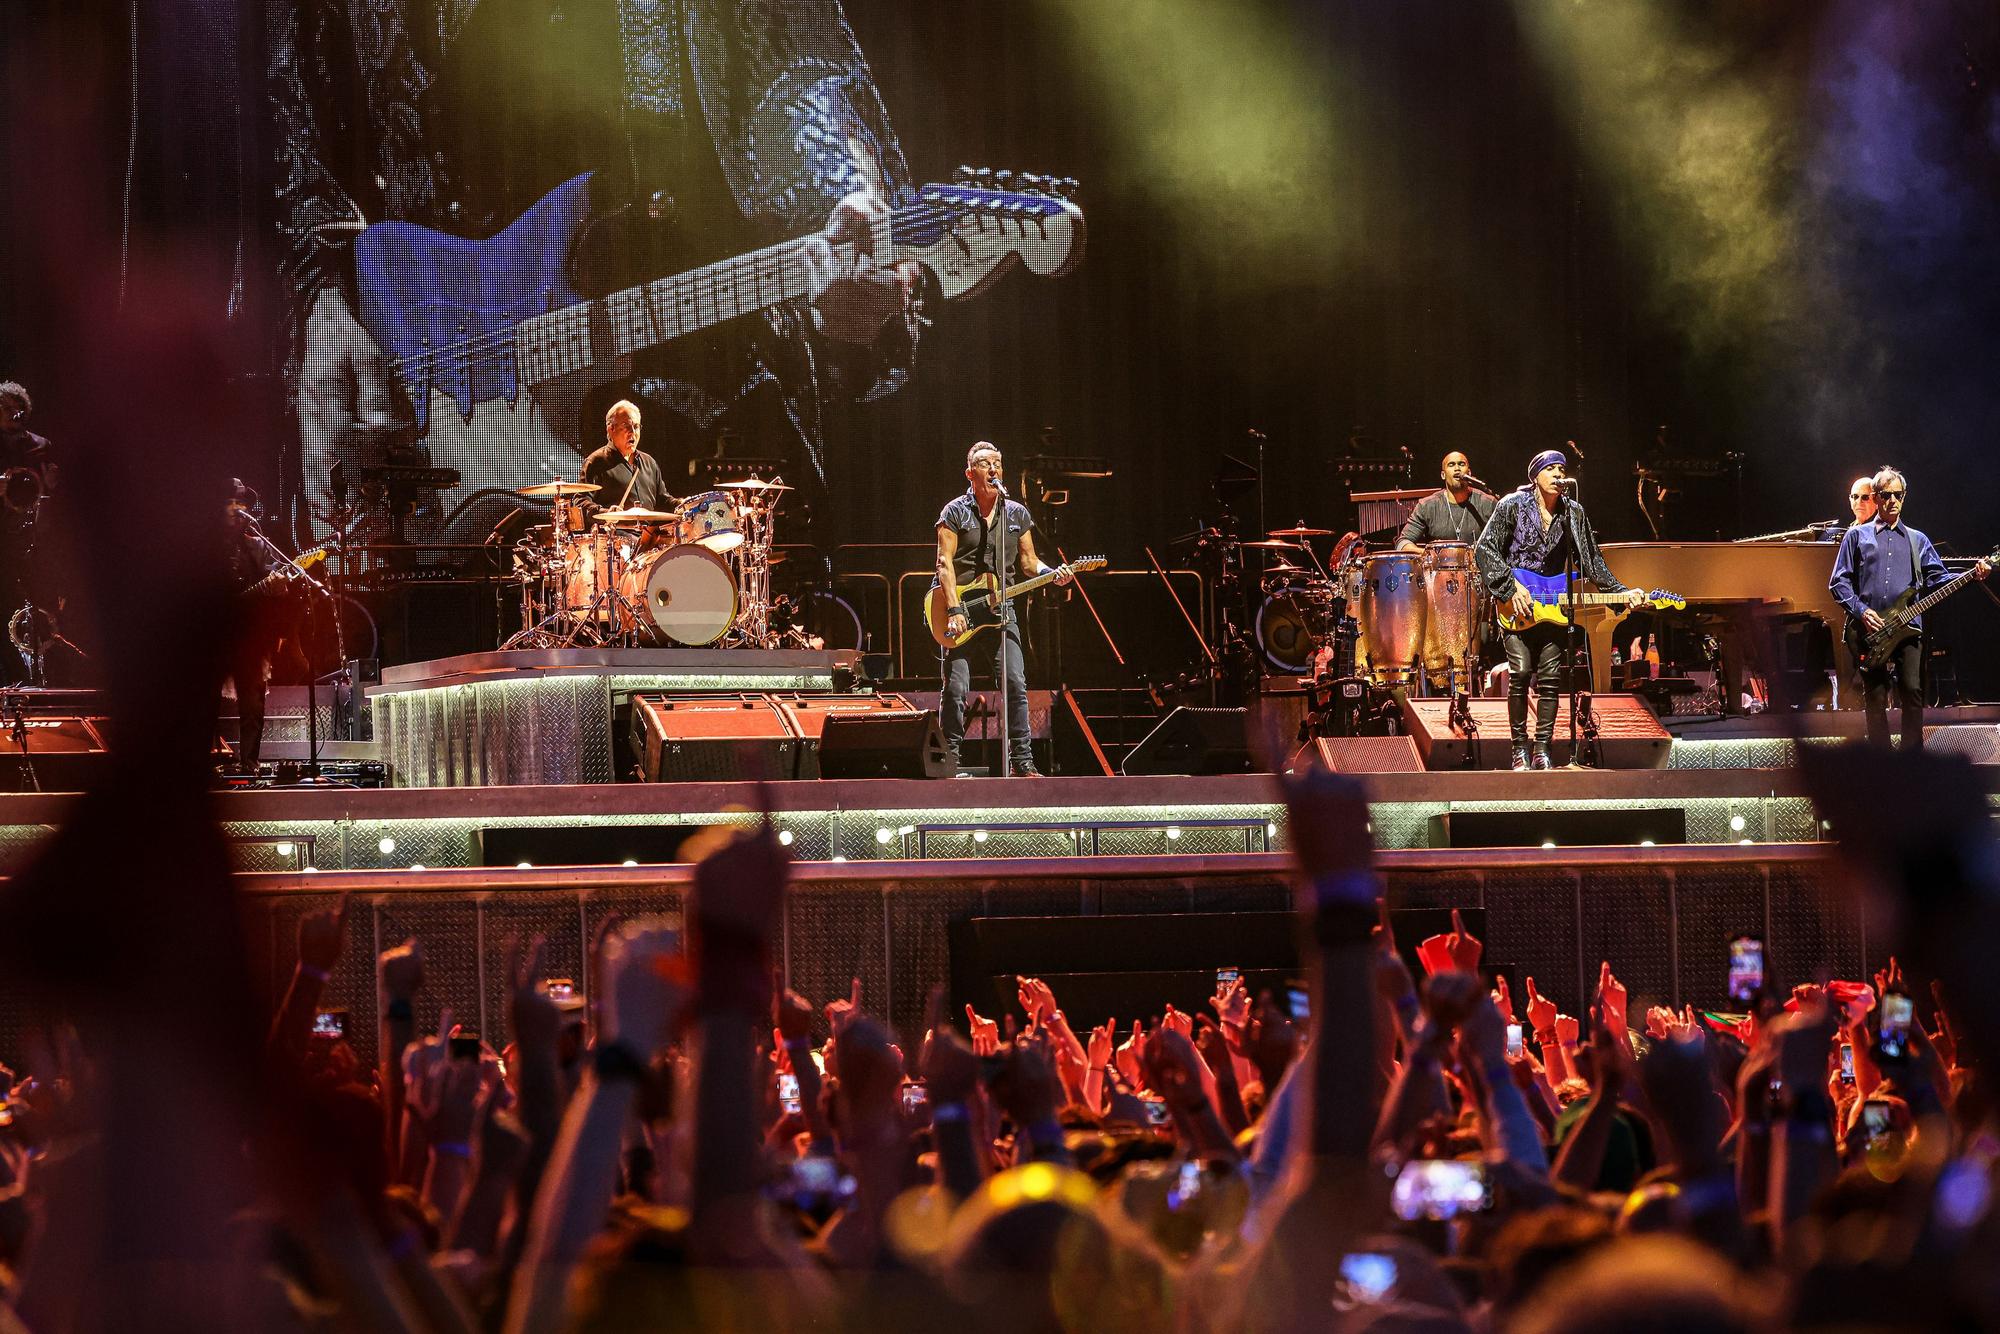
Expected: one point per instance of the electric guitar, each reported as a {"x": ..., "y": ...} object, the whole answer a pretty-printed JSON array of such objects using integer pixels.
[
  {"x": 300, "y": 563},
  {"x": 1552, "y": 605},
  {"x": 496, "y": 347},
  {"x": 1873, "y": 649},
  {"x": 983, "y": 599}
]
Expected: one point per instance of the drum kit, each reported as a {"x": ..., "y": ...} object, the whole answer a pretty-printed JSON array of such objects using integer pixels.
[
  {"x": 695, "y": 576},
  {"x": 1410, "y": 620}
]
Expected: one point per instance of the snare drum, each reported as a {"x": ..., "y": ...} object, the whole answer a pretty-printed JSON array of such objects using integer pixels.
[
  {"x": 687, "y": 592},
  {"x": 1454, "y": 592},
  {"x": 710, "y": 519},
  {"x": 1392, "y": 615}
]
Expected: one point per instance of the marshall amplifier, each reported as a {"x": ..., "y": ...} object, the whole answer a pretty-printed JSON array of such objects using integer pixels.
[
  {"x": 807, "y": 715},
  {"x": 691, "y": 738}
]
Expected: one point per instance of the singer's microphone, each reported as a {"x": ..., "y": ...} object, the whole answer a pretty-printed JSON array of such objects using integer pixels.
[
  {"x": 1483, "y": 486},
  {"x": 1566, "y": 483}
]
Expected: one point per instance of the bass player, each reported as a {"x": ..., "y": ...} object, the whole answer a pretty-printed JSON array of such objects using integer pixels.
[
  {"x": 1879, "y": 559},
  {"x": 983, "y": 532},
  {"x": 1535, "y": 528}
]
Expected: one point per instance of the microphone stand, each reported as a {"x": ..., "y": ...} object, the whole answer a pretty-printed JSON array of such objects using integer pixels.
[
  {"x": 1579, "y": 701},
  {"x": 1000, "y": 544}
]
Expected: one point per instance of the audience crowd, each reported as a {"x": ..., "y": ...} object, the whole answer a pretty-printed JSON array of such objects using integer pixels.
[{"x": 1383, "y": 1150}]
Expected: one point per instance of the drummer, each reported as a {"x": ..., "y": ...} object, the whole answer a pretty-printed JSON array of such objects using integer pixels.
[
  {"x": 1457, "y": 513},
  {"x": 627, "y": 477}
]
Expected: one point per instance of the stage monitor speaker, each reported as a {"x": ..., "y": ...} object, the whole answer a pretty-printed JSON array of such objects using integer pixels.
[
  {"x": 1367, "y": 754},
  {"x": 1977, "y": 742},
  {"x": 807, "y": 715},
  {"x": 883, "y": 745},
  {"x": 1628, "y": 735},
  {"x": 1073, "y": 744},
  {"x": 695, "y": 738},
  {"x": 62, "y": 753},
  {"x": 1194, "y": 741},
  {"x": 1559, "y": 828}
]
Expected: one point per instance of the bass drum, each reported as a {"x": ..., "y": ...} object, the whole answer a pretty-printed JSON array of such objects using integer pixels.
[
  {"x": 686, "y": 594},
  {"x": 1284, "y": 635}
]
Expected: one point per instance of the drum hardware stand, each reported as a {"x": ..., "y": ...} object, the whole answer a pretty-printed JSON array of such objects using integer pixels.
[
  {"x": 1212, "y": 665},
  {"x": 1000, "y": 545},
  {"x": 1580, "y": 708},
  {"x": 1462, "y": 723},
  {"x": 15, "y": 711}
]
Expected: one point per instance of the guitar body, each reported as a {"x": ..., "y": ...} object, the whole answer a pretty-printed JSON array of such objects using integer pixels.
[
  {"x": 1551, "y": 608},
  {"x": 982, "y": 610},
  {"x": 1874, "y": 652},
  {"x": 1547, "y": 591}
]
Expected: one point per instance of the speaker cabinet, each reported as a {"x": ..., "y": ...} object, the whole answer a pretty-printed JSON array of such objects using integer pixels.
[
  {"x": 1628, "y": 734},
  {"x": 56, "y": 753},
  {"x": 808, "y": 715},
  {"x": 883, "y": 745},
  {"x": 1367, "y": 754},
  {"x": 693, "y": 738},
  {"x": 1194, "y": 741}
]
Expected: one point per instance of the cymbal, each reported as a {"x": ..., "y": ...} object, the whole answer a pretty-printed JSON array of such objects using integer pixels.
[
  {"x": 1302, "y": 532},
  {"x": 1272, "y": 544},
  {"x": 753, "y": 484},
  {"x": 634, "y": 516},
  {"x": 550, "y": 490},
  {"x": 1285, "y": 567}
]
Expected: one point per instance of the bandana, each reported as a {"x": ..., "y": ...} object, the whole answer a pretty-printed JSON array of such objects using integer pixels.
[{"x": 1543, "y": 460}]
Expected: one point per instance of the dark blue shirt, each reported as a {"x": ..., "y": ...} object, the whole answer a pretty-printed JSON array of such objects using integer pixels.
[
  {"x": 1875, "y": 564},
  {"x": 978, "y": 551},
  {"x": 1515, "y": 538}
]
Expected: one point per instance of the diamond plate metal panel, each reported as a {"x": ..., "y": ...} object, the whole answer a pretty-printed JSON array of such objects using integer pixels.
[
  {"x": 1403, "y": 824},
  {"x": 19, "y": 845},
  {"x": 948, "y": 843},
  {"x": 1628, "y": 919},
  {"x": 1531, "y": 922},
  {"x": 1711, "y": 906},
  {"x": 833, "y": 934},
  {"x": 558, "y": 916},
  {"x": 448, "y": 929},
  {"x": 919, "y": 919},
  {"x": 1814, "y": 925}
]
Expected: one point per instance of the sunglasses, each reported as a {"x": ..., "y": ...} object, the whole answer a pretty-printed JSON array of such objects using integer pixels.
[{"x": 1890, "y": 495}]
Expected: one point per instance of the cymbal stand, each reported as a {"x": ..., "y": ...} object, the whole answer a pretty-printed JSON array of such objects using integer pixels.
[{"x": 753, "y": 572}]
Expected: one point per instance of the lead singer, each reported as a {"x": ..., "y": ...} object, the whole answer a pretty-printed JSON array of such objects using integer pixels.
[
  {"x": 1536, "y": 528},
  {"x": 972, "y": 541}
]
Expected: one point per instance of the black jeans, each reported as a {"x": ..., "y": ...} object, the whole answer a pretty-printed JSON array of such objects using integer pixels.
[
  {"x": 1537, "y": 650},
  {"x": 1906, "y": 665},
  {"x": 984, "y": 650}
]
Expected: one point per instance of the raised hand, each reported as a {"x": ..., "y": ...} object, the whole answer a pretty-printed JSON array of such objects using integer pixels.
[
  {"x": 1102, "y": 1044},
  {"x": 1456, "y": 949},
  {"x": 321, "y": 935},
  {"x": 791, "y": 1016},
  {"x": 1173, "y": 1068},
  {"x": 537, "y": 1022},
  {"x": 1037, "y": 1000},
  {"x": 1450, "y": 997},
  {"x": 1567, "y": 1030},
  {"x": 1611, "y": 998},
  {"x": 1129, "y": 1055},
  {"x": 1890, "y": 978},
  {"x": 1503, "y": 1000},
  {"x": 402, "y": 970},
  {"x": 985, "y": 1033},
  {"x": 644, "y": 976},
  {"x": 841, "y": 1013},
  {"x": 1231, "y": 1003},
  {"x": 1541, "y": 1011},
  {"x": 1659, "y": 1022},
  {"x": 1329, "y": 833},
  {"x": 1178, "y": 1022}
]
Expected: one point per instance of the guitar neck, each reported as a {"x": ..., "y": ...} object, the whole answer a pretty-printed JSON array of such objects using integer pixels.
[
  {"x": 1937, "y": 595},
  {"x": 630, "y": 321},
  {"x": 1025, "y": 586}
]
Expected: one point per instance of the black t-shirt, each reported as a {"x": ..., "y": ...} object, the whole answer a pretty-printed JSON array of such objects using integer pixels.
[
  {"x": 608, "y": 468},
  {"x": 1439, "y": 518},
  {"x": 978, "y": 551}
]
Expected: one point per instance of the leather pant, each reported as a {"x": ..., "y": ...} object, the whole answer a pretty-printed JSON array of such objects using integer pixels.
[{"x": 1537, "y": 651}]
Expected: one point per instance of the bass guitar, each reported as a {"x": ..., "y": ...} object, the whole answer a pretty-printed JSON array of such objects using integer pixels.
[
  {"x": 1552, "y": 604},
  {"x": 983, "y": 600},
  {"x": 1874, "y": 649},
  {"x": 495, "y": 345}
]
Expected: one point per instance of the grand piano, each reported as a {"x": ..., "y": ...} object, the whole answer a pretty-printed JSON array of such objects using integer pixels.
[{"x": 1727, "y": 584}]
